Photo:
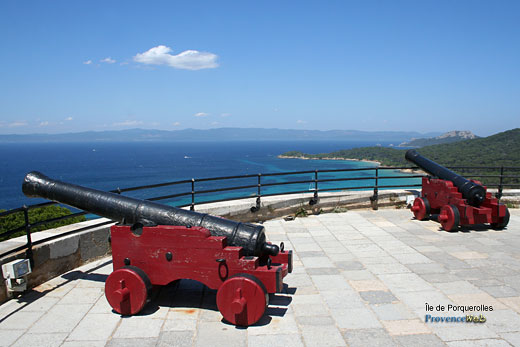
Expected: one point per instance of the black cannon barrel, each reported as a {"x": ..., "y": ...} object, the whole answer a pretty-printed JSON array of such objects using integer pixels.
[
  {"x": 130, "y": 211},
  {"x": 471, "y": 191}
]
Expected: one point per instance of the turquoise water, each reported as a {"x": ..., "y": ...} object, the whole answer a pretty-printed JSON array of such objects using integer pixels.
[{"x": 107, "y": 166}]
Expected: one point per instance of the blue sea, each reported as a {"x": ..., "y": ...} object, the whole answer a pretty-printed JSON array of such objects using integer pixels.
[{"x": 108, "y": 166}]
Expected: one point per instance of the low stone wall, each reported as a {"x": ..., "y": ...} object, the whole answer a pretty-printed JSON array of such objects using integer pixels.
[
  {"x": 55, "y": 257},
  {"x": 62, "y": 254},
  {"x": 285, "y": 205},
  {"x": 509, "y": 196}
]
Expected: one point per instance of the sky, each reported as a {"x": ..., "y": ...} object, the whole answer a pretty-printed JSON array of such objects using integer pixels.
[{"x": 427, "y": 66}]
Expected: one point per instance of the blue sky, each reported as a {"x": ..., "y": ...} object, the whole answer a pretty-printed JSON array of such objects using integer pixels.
[{"x": 69, "y": 66}]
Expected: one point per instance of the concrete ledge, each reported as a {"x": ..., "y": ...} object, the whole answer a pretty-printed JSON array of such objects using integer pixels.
[
  {"x": 279, "y": 206},
  {"x": 361, "y": 278},
  {"x": 283, "y": 205},
  {"x": 511, "y": 196},
  {"x": 62, "y": 254}
]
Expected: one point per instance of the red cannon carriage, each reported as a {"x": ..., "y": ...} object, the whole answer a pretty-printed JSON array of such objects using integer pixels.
[
  {"x": 162, "y": 254},
  {"x": 156, "y": 244},
  {"x": 454, "y": 200}
]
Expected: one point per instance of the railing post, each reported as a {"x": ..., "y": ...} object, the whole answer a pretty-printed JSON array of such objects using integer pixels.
[
  {"x": 192, "y": 207},
  {"x": 315, "y": 198},
  {"x": 374, "y": 198},
  {"x": 499, "y": 193},
  {"x": 29, "y": 252},
  {"x": 256, "y": 208}
]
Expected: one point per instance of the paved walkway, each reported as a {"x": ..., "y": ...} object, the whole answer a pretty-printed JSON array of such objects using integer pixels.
[{"x": 361, "y": 278}]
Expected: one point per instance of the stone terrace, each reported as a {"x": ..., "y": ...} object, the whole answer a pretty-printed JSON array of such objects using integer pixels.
[{"x": 360, "y": 278}]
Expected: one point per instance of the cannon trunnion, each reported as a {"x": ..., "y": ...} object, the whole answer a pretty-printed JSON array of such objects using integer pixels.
[
  {"x": 155, "y": 244},
  {"x": 454, "y": 200}
]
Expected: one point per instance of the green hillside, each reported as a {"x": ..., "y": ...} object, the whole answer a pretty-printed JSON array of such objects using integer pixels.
[
  {"x": 496, "y": 150},
  {"x": 449, "y": 137},
  {"x": 16, "y": 220}
]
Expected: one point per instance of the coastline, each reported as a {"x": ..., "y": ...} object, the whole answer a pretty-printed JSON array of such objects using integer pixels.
[
  {"x": 329, "y": 158},
  {"x": 405, "y": 171}
]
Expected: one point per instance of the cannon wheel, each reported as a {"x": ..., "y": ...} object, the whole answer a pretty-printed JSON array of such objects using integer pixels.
[
  {"x": 127, "y": 290},
  {"x": 421, "y": 208},
  {"x": 502, "y": 222},
  {"x": 449, "y": 217},
  {"x": 242, "y": 299}
]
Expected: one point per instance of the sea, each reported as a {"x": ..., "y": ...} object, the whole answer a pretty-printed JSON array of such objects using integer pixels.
[{"x": 108, "y": 166}]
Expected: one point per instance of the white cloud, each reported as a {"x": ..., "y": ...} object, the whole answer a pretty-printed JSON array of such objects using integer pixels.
[
  {"x": 176, "y": 124},
  {"x": 201, "y": 114},
  {"x": 299, "y": 121},
  {"x": 128, "y": 123},
  {"x": 225, "y": 114},
  {"x": 88, "y": 62},
  {"x": 69, "y": 119},
  {"x": 44, "y": 124},
  {"x": 17, "y": 124},
  {"x": 108, "y": 60},
  {"x": 214, "y": 123},
  {"x": 188, "y": 60}
]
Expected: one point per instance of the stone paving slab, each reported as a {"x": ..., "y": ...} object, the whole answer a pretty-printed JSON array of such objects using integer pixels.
[{"x": 361, "y": 278}]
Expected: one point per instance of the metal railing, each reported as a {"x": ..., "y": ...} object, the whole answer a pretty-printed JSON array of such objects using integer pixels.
[{"x": 266, "y": 185}]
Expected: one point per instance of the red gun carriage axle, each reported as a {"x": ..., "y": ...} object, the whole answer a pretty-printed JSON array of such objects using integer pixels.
[
  {"x": 157, "y": 244},
  {"x": 163, "y": 254},
  {"x": 453, "y": 200}
]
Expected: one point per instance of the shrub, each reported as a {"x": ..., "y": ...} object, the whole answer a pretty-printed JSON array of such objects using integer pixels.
[{"x": 39, "y": 214}]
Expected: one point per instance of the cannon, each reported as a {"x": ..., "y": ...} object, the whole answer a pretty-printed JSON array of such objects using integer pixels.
[
  {"x": 155, "y": 244},
  {"x": 454, "y": 200}
]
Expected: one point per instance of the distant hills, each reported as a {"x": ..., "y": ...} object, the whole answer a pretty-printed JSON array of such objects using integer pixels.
[
  {"x": 220, "y": 134},
  {"x": 449, "y": 137},
  {"x": 495, "y": 150}
]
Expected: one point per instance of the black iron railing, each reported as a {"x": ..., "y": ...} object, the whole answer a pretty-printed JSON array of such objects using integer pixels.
[{"x": 268, "y": 184}]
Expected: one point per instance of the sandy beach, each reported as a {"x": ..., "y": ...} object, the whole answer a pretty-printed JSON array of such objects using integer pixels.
[
  {"x": 329, "y": 158},
  {"x": 407, "y": 171}
]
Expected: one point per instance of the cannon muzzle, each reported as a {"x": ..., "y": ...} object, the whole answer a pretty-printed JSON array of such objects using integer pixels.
[
  {"x": 473, "y": 193},
  {"x": 127, "y": 210}
]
